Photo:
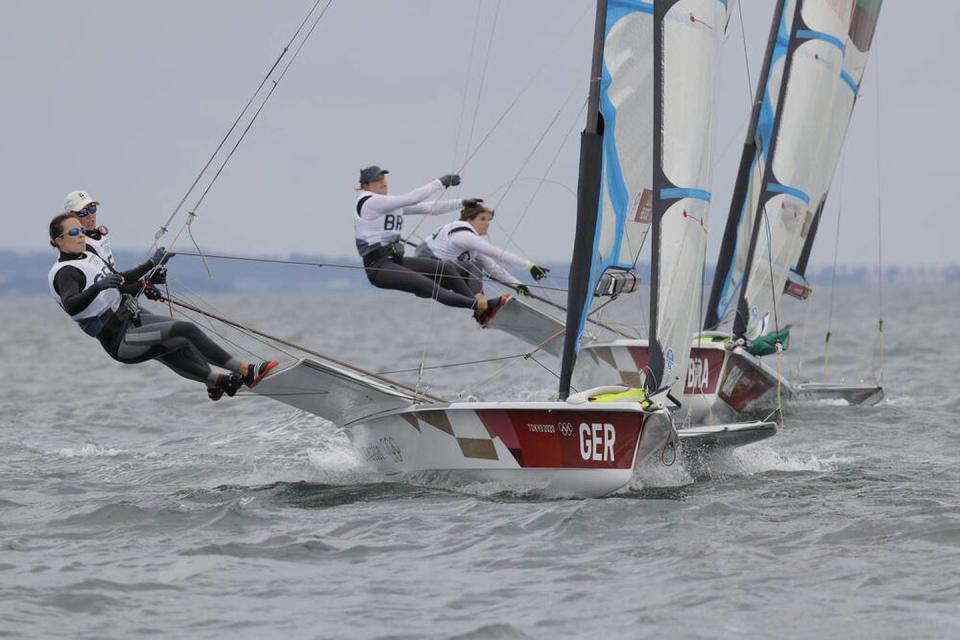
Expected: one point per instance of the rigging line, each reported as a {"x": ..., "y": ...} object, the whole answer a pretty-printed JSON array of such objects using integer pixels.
[
  {"x": 298, "y": 347},
  {"x": 163, "y": 229},
  {"x": 833, "y": 275},
  {"x": 562, "y": 41},
  {"x": 466, "y": 83},
  {"x": 332, "y": 265},
  {"x": 256, "y": 114},
  {"x": 546, "y": 173},
  {"x": 533, "y": 151},
  {"x": 450, "y": 365},
  {"x": 483, "y": 77},
  {"x": 880, "y": 347},
  {"x": 195, "y": 298},
  {"x": 534, "y": 296}
]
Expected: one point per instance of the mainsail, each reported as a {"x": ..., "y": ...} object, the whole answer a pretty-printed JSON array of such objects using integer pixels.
[
  {"x": 646, "y": 161},
  {"x": 821, "y": 64}
]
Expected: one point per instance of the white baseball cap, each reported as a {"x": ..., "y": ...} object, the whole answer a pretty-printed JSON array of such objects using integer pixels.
[{"x": 76, "y": 201}]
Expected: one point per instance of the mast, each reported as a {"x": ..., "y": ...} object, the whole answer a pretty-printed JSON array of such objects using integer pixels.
[
  {"x": 801, "y": 267},
  {"x": 652, "y": 381},
  {"x": 743, "y": 313},
  {"x": 737, "y": 202},
  {"x": 588, "y": 197}
]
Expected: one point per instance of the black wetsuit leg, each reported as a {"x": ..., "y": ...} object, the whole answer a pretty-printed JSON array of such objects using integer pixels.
[
  {"x": 472, "y": 275},
  {"x": 181, "y": 345},
  {"x": 423, "y": 277}
]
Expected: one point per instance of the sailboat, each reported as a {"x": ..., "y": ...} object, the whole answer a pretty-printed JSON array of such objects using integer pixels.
[
  {"x": 652, "y": 64},
  {"x": 814, "y": 63},
  {"x": 812, "y": 73}
]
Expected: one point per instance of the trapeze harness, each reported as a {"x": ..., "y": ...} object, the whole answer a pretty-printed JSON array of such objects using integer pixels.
[
  {"x": 377, "y": 226},
  {"x": 98, "y": 243},
  {"x": 459, "y": 242},
  {"x": 127, "y": 334}
]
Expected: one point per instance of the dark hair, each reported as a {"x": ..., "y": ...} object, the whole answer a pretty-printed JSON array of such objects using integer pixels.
[
  {"x": 56, "y": 226},
  {"x": 469, "y": 212}
]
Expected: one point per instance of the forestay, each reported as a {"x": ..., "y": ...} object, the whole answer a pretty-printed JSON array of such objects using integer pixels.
[{"x": 826, "y": 55}]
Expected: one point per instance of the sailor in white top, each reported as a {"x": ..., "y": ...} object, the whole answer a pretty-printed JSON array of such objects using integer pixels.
[
  {"x": 80, "y": 204},
  {"x": 378, "y": 223},
  {"x": 465, "y": 243}
]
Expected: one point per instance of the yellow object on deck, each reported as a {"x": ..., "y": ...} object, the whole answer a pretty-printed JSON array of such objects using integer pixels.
[{"x": 630, "y": 395}]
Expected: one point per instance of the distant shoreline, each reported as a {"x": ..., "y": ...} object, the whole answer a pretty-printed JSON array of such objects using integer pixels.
[{"x": 25, "y": 274}]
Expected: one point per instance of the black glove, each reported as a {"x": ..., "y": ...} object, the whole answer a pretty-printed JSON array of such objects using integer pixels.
[
  {"x": 161, "y": 256},
  {"x": 472, "y": 202},
  {"x": 522, "y": 290},
  {"x": 538, "y": 273},
  {"x": 158, "y": 277},
  {"x": 109, "y": 281},
  {"x": 449, "y": 180},
  {"x": 152, "y": 292}
]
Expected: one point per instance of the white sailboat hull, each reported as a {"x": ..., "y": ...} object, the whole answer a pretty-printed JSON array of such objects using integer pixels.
[{"x": 563, "y": 448}]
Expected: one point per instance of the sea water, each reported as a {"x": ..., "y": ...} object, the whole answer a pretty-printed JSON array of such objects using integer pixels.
[{"x": 130, "y": 505}]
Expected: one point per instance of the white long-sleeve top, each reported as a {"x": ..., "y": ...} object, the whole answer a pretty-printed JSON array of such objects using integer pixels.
[
  {"x": 379, "y": 218},
  {"x": 460, "y": 241}
]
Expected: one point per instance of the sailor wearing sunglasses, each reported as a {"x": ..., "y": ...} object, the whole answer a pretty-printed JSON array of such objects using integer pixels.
[
  {"x": 103, "y": 302},
  {"x": 80, "y": 204}
]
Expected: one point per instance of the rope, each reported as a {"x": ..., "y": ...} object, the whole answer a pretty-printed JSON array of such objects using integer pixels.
[
  {"x": 878, "y": 371},
  {"x": 483, "y": 78},
  {"x": 163, "y": 229},
  {"x": 833, "y": 275},
  {"x": 332, "y": 265},
  {"x": 298, "y": 347}
]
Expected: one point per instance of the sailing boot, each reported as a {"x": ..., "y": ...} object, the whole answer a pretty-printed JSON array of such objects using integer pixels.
[
  {"x": 257, "y": 372},
  {"x": 493, "y": 305}
]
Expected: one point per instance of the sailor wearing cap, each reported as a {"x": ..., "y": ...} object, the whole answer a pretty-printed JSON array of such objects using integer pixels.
[
  {"x": 81, "y": 205},
  {"x": 378, "y": 224}
]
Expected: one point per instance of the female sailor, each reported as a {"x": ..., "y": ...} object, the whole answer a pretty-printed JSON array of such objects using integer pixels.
[
  {"x": 81, "y": 205},
  {"x": 103, "y": 302},
  {"x": 378, "y": 224},
  {"x": 464, "y": 242}
]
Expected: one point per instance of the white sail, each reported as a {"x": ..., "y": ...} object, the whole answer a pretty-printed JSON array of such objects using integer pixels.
[
  {"x": 823, "y": 78},
  {"x": 692, "y": 35},
  {"x": 733, "y": 272}
]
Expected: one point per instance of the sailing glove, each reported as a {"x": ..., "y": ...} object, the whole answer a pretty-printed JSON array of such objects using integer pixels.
[
  {"x": 538, "y": 273},
  {"x": 161, "y": 256},
  {"x": 109, "y": 281},
  {"x": 449, "y": 180},
  {"x": 158, "y": 277},
  {"x": 472, "y": 202},
  {"x": 522, "y": 290}
]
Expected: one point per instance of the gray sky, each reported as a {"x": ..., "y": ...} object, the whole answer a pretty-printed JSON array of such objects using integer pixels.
[{"x": 128, "y": 99}]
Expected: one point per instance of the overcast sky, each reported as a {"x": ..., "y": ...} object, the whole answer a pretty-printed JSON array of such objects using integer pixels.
[{"x": 128, "y": 99}]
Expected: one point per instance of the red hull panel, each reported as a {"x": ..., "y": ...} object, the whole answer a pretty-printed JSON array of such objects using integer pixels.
[
  {"x": 567, "y": 439},
  {"x": 703, "y": 372},
  {"x": 743, "y": 383}
]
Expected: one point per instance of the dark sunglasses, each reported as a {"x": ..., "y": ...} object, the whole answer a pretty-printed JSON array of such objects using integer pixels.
[
  {"x": 87, "y": 210},
  {"x": 73, "y": 233}
]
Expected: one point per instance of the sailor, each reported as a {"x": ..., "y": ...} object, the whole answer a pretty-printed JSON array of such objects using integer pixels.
[
  {"x": 378, "y": 222},
  {"x": 81, "y": 205},
  {"x": 103, "y": 302},
  {"x": 465, "y": 243}
]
